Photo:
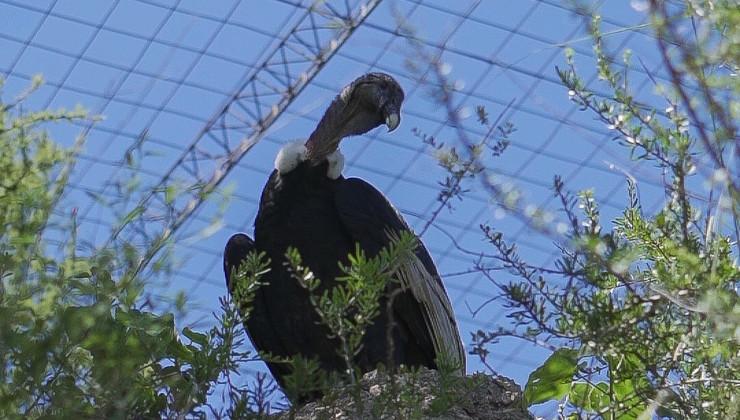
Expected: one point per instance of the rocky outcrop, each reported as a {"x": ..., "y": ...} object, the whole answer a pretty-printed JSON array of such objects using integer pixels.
[{"x": 419, "y": 395}]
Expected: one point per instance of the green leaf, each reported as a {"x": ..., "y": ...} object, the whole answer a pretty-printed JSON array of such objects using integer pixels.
[
  {"x": 590, "y": 396},
  {"x": 196, "y": 337},
  {"x": 103, "y": 276},
  {"x": 180, "y": 351},
  {"x": 169, "y": 194},
  {"x": 132, "y": 215},
  {"x": 553, "y": 379}
]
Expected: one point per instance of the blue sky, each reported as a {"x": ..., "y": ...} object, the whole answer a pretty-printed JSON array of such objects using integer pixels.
[{"x": 158, "y": 71}]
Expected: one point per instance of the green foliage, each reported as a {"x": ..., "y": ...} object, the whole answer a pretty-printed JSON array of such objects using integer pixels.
[
  {"x": 453, "y": 389},
  {"x": 646, "y": 321},
  {"x": 351, "y": 306},
  {"x": 553, "y": 379},
  {"x": 347, "y": 309},
  {"x": 306, "y": 377},
  {"x": 245, "y": 280},
  {"x": 464, "y": 166},
  {"x": 75, "y": 341}
]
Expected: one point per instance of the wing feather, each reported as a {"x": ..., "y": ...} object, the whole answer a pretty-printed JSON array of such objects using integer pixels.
[
  {"x": 437, "y": 309},
  {"x": 373, "y": 222},
  {"x": 259, "y": 325}
]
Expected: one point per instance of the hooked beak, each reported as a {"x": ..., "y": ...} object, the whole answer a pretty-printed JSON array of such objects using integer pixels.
[{"x": 392, "y": 119}]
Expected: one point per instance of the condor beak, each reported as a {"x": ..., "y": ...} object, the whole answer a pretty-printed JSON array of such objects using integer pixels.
[{"x": 392, "y": 120}]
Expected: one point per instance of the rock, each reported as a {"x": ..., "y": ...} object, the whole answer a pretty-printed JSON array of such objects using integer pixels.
[{"x": 419, "y": 395}]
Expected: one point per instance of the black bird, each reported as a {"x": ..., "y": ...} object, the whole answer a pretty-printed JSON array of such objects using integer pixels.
[{"x": 308, "y": 205}]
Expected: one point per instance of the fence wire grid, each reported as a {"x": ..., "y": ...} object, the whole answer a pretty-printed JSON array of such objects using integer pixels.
[{"x": 200, "y": 94}]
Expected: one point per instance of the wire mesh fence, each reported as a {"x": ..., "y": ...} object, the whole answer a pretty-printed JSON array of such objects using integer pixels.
[{"x": 197, "y": 97}]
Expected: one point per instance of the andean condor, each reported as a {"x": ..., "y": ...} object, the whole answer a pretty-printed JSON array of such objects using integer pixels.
[{"x": 308, "y": 205}]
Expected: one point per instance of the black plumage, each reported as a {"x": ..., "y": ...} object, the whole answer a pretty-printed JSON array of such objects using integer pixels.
[{"x": 308, "y": 205}]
